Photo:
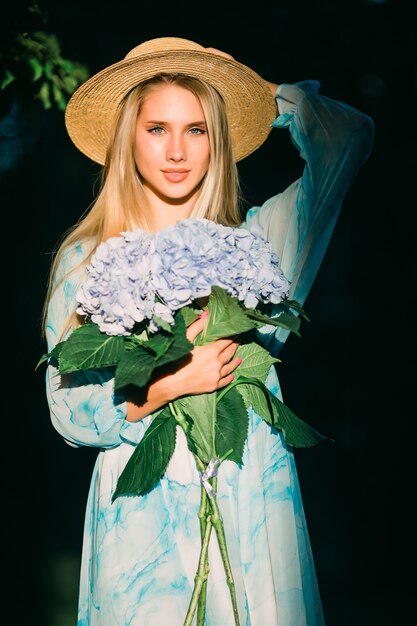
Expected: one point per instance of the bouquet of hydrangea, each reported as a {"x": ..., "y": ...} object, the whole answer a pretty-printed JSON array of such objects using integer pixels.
[{"x": 141, "y": 293}]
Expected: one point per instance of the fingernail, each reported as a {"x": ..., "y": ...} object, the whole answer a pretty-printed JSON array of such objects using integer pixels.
[
  {"x": 202, "y": 315},
  {"x": 232, "y": 377},
  {"x": 240, "y": 361}
]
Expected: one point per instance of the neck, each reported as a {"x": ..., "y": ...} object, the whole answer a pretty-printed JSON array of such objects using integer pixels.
[{"x": 164, "y": 213}]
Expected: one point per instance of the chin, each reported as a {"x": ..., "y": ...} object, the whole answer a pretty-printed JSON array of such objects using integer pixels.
[{"x": 178, "y": 195}]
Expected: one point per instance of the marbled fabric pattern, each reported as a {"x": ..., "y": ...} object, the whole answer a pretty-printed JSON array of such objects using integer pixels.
[{"x": 140, "y": 554}]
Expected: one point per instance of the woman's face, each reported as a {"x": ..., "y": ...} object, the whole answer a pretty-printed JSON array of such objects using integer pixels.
[{"x": 172, "y": 146}]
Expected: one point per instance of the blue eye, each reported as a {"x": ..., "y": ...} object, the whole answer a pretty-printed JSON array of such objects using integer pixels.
[
  {"x": 197, "y": 131},
  {"x": 156, "y": 130}
]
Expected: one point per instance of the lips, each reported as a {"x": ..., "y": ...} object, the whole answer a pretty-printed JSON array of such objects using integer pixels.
[{"x": 175, "y": 176}]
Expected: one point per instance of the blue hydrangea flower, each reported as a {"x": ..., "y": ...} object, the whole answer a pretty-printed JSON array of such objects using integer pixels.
[
  {"x": 117, "y": 292},
  {"x": 139, "y": 276},
  {"x": 182, "y": 263}
]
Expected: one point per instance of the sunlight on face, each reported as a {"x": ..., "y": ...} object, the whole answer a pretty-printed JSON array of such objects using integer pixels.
[{"x": 172, "y": 146}]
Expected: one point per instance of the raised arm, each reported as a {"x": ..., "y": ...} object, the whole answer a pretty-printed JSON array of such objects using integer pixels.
[{"x": 334, "y": 139}]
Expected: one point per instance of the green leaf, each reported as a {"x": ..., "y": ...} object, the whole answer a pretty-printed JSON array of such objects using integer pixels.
[
  {"x": 226, "y": 317},
  {"x": 158, "y": 344},
  {"x": 36, "y": 67},
  {"x": 7, "y": 79},
  {"x": 256, "y": 361},
  {"x": 88, "y": 348},
  {"x": 293, "y": 304},
  {"x": 284, "y": 320},
  {"x": 254, "y": 396},
  {"x": 59, "y": 98},
  {"x": 231, "y": 426},
  {"x": 162, "y": 324},
  {"x": 150, "y": 458},
  {"x": 43, "y": 358},
  {"x": 54, "y": 353},
  {"x": 70, "y": 83},
  {"x": 134, "y": 368},
  {"x": 138, "y": 364},
  {"x": 190, "y": 314},
  {"x": 45, "y": 96},
  {"x": 180, "y": 347},
  {"x": 137, "y": 338},
  {"x": 201, "y": 409},
  {"x": 49, "y": 70},
  {"x": 286, "y": 305},
  {"x": 289, "y": 321},
  {"x": 296, "y": 432},
  {"x": 68, "y": 66}
]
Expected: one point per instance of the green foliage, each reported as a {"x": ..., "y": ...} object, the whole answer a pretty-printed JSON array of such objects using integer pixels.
[
  {"x": 135, "y": 359},
  {"x": 135, "y": 368},
  {"x": 257, "y": 396},
  {"x": 137, "y": 365},
  {"x": 32, "y": 67},
  {"x": 285, "y": 320},
  {"x": 87, "y": 348},
  {"x": 201, "y": 412},
  {"x": 296, "y": 433},
  {"x": 226, "y": 317},
  {"x": 288, "y": 314},
  {"x": 150, "y": 458},
  {"x": 215, "y": 424},
  {"x": 190, "y": 314},
  {"x": 231, "y": 426},
  {"x": 256, "y": 361}
]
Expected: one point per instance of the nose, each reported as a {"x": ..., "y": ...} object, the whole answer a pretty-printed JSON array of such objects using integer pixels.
[{"x": 176, "y": 149}]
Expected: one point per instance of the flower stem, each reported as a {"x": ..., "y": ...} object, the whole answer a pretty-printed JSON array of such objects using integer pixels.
[
  {"x": 218, "y": 526},
  {"x": 179, "y": 417},
  {"x": 228, "y": 387},
  {"x": 201, "y": 576},
  {"x": 200, "y": 585},
  {"x": 207, "y": 521},
  {"x": 202, "y": 514}
]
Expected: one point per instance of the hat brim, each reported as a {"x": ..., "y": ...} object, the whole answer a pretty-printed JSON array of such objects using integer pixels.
[{"x": 92, "y": 109}]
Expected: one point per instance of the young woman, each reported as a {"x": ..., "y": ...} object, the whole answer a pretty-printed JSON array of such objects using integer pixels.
[{"x": 169, "y": 123}]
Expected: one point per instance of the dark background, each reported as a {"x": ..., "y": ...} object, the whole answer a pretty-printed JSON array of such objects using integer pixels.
[{"x": 350, "y": 374}]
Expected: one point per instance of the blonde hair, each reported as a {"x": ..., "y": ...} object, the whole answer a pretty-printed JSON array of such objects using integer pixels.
[{"x": 121, "y": 203}]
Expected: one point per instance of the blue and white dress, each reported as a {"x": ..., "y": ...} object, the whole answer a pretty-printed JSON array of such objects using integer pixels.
[{"x": 140, "y": 554}]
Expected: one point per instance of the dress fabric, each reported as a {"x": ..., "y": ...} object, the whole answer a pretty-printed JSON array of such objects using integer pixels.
[{"x": 140, "y": 554}]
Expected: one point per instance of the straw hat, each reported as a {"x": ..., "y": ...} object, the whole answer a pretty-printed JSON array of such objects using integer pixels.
[{"x": 92, "y": 109}]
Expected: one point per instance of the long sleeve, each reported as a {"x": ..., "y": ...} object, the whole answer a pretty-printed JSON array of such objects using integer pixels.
[
  {"x": 334, "y": 139},
  {"x": 83, "y": 406}
]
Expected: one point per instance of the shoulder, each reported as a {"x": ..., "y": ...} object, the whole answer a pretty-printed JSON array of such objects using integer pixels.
[
  {"x": 70, "y": 263},
  {"x": 74, "y": 254}
]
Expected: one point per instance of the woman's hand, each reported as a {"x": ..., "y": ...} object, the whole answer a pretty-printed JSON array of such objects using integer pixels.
[
  {"x": 206, "y": 369},
  {"x": 273, "y": 87},
  {"x": 211, "y": 366}
]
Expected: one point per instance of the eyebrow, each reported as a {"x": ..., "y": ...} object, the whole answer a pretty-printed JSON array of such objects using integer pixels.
[{"x": 163, "y": 123}]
